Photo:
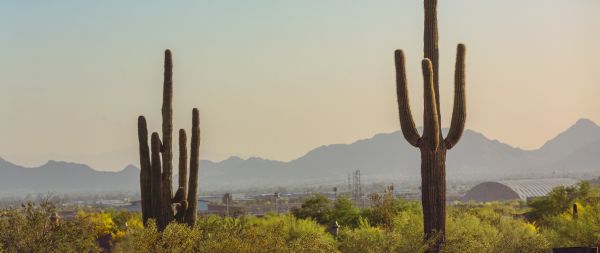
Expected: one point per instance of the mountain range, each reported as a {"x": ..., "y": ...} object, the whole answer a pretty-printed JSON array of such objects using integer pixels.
[{"x": 385, "y": 157}]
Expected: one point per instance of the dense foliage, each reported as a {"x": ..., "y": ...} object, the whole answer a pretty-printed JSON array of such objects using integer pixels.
[
  {"x": 388, "y": 225},
  {"x": 31, "y": 230},
  {"x": 246, "y": 234}
]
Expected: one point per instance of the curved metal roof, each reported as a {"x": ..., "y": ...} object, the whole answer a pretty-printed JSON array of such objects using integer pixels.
[
  {"x": 527, "y": 188},
  {"x": 515, "y": 189}
]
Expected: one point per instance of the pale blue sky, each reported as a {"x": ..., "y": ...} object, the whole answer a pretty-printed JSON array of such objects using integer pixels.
[{"x": 278, "y": 78}]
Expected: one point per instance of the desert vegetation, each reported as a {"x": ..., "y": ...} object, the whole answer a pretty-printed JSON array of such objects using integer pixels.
[
  {"x": 169, "y": 221},
  {"x": 389, "y": 224}
]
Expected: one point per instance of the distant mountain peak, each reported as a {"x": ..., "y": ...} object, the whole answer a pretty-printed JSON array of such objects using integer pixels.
[
  {"x": 233, "y": 158},
  {"x": 582, "y": 133},
  {"x": 583, "y": 122},
  {"x": 130, "y": 168}
]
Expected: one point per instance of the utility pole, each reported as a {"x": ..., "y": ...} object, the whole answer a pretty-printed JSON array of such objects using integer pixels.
[
  {"x": 349, "y": 182},
  {"x": 276, "y": 202},
  {"x": 226, "y": 200},
  {"x": 334, "y": 194}
]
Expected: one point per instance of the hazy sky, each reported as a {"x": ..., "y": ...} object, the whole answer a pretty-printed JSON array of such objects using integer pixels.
[{"x": 277, "y": 78}]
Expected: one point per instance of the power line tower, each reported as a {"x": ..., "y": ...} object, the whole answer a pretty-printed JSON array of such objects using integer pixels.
[
  {"x": 356, "y": 187},
  {"x": 350, "y": 189}
]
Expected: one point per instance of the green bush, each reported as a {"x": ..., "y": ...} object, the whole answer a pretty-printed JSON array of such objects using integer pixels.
[
  {"x": 345, "y": 213},
  {"x": 558, "y": 201},
  {"x": 272, "y": 233},
  {"x": 317, "y": 207},
  {"x": 564, "y": 230},
  {"x": 365, "y": 238},
  {"x": 517, "y": 235},
  {"x": 467, "y": 233},
  {"x": 29, "y": 229}
]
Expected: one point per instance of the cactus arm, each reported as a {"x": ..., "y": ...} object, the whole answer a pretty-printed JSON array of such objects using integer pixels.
[
  {"x": 431, "y": 126},
  {"x": 167, "y": 130},
  {"x": 190, "y": 216},
  {"x": 155, "y": 179},
  {"x": 183, "y": 171},
  {"x": 459, "y": 112},
  {"x": 144, "y": 168},
  {"x": 430, "y": 47},
  {"x": 407, "y": 123}
]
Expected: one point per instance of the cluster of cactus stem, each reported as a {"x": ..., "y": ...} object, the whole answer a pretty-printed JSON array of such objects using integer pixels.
[
  {"x": 156, "y": 165},
  {"x": 432, "y": 144}
]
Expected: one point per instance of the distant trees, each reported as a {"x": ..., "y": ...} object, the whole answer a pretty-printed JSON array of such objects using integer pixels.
[
  {"x": 30, "y": 229},
  {"x": 561, "y": 226},
  {"x": 559, "y": 200},
  {"x": 383, "y": 208},
  {"x": 317, "y": 208},
  {"x": 345, "y": 212}
]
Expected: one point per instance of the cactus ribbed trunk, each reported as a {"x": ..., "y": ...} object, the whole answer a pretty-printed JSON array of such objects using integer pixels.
[
  {"x": 432, "y": 145},
  {"x": 430, "y": 48},
  {"x": 145, "y": 168},
  {"x": 433, "y": 194},
  {"x": 156, "y": 181},
  {"x": 156, "y": 174},
  {"x": 167, "y": 131},
  {"x": 190, "y": 216},
  {"x": 183, "y": 172}
]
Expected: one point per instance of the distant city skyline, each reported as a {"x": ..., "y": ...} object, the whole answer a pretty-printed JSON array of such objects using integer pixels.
[{"x": 276, "y": 79}]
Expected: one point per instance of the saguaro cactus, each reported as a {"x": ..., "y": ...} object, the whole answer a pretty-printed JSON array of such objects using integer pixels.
[
  {"x": 183, "y": 173},
  {"x": 144, "y": 168},
  {"x": 157, "y": 164},
  {"x": 432, "y": 145},
  {"x": 167, "y": 131},
  {"x": 192, "y": 198}
]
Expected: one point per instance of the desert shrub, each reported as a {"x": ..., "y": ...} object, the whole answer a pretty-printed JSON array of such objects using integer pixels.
[
  {"x": 404, "y": 235},
  {"x": 409, "y": 225},
  {"x": 564, "y": 230},
  {"x": 516, "y": 235},
  {"x": 364, "y": 238},
  {"x": 558, "y": 201},
  {"x": 345, "y": 213},
  {"x": 139, "y": 239},
  {"x": 467, "y": 233},
  {"x": 493, "y": 225},
  {"x": 385, "y": 207},
  {"x": 111, "y": 224},
  {"x": 317, "y": 207},
  {"x": 272, "y": 233},
  {"x": 29, "y": 229}
]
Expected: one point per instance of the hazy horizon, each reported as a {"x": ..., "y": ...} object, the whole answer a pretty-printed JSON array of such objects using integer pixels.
[{"x": 276, "y": 79}]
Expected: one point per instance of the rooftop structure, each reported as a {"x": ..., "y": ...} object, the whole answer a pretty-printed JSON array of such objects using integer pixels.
[{"x": 515, "y": 189}]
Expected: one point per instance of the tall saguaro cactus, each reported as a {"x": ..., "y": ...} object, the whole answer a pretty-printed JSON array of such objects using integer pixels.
[
  {"x": 432, "y": 145},
  {"x": 167, "y": 131},
  {"x": 156, "y": 164},
  {"x": 192, "y": 198},
  {"x": 144, "y": 168}
]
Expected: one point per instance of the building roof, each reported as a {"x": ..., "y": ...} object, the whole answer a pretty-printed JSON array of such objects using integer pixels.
[{"x": 515, "y": 189}]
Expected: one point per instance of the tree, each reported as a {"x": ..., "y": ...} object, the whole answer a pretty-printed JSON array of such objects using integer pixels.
[
  {"x": 317, "y": 207},
  {"x": 559, "y": 200},
  {"x": 345, "y": 213}
]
